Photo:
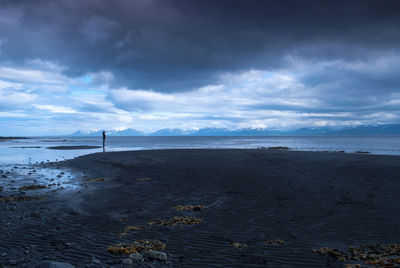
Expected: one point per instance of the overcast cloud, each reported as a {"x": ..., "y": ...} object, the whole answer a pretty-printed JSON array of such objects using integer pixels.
[{"x": 67, "y": 65}]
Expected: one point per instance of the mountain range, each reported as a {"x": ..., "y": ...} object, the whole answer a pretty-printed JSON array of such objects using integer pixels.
[{"x": 388, "y": 129}]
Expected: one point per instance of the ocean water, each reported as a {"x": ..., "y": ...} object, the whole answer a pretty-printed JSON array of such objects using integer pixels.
[{"x": 33, "y": 150}]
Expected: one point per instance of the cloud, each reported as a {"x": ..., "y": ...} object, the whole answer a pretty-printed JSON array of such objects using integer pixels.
[
  {"x": 11, "y": 99},
  {"x": 305, "y": 94},
  {"x": 191, "y": 64},
  {"x": 171, "y": 46},
  {"x": 55, "y": 109},
  {"x": 29, "y": 76},
  {"x": 97, "y": 28}
]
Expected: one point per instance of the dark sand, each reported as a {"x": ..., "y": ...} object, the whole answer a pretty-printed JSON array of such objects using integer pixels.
[
  {"x": 78, "y": 147},
  {"x": 13, "y": 138},
  {"x": 26, "y": 147},
  {"x": 308, "y": 199}
]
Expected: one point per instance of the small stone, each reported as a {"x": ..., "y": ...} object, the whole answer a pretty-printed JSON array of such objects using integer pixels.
[
  {"x": 96, "y": 261},
  {"x": 26, "y": 252},
  {"x": 157, "y": 255},
  {"x": 4, "y": 254},
  {"x": 127, "y": 261},
  {"x": 136, "y": 256}
]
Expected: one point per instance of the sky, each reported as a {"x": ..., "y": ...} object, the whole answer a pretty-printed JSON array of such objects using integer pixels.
[{"x": 95, "y": 64}]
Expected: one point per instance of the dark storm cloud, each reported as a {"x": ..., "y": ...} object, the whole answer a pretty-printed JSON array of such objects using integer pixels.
[{"x": 180, "y": 45}]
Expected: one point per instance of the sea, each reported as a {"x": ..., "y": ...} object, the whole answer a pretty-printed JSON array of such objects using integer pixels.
[{"x": 36, "y": 150}]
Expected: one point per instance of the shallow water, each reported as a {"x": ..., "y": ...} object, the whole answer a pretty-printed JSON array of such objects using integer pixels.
[
  {"x": 35, "y": 150},
  {"x": 16, "y": 180}
]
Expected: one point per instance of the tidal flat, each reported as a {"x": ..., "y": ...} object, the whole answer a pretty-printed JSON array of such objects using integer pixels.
[{"x": 202, "y": 208}]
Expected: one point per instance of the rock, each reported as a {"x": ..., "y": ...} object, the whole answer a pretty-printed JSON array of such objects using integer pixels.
[
  {"x": 278, "y": 148},
  {"x": 136, "y": 256},
  {"x": 53, "y": 264},
  {"x": 4, "y": 254},
  {"x": 96, "y": 261},
  {"x": 26, "y": 252},
  {"x": 127, "y": 261},
  {"x": 157, "y": 255}
]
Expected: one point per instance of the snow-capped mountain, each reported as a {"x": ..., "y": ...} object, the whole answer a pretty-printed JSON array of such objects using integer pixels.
[{"x": 389, "y": 129}]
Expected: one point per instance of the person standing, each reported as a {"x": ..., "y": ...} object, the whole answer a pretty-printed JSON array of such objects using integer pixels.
[{"x": 104, "y": 138}]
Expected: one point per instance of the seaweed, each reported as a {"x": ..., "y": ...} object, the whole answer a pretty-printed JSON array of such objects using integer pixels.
[
  {"x": 130, "y": 228},
  {"x": 189, "y": 207},
  {"x": 176, "y": 221},
  {"x": 137, "y": 246},
  {"x": 22, "y": 198},
  {"x": 238, "y": 245},
  {"x": 32, "y": 187},
  {"x": 94, "y": 180},
  {"x": 376, "y": 255},
  {"x": 144, "y": 179},
  {"x": 275, "y": 242},
  {"x": 133, "y": 228}
]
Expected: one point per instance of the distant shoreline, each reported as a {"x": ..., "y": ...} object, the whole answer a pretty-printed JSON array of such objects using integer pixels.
[{"x": 14, "y": 138}]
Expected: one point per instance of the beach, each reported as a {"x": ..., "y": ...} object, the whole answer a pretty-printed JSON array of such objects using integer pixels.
[{"x": 210, "y": 208}]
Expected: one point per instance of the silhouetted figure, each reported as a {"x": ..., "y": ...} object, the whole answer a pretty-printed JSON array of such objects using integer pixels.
[{"x": 104, "y": 139}]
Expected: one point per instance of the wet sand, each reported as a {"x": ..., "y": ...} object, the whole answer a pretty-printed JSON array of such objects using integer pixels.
[
  {"x": 308, "y": 200},
  {"x": 78, "y": 147}
]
